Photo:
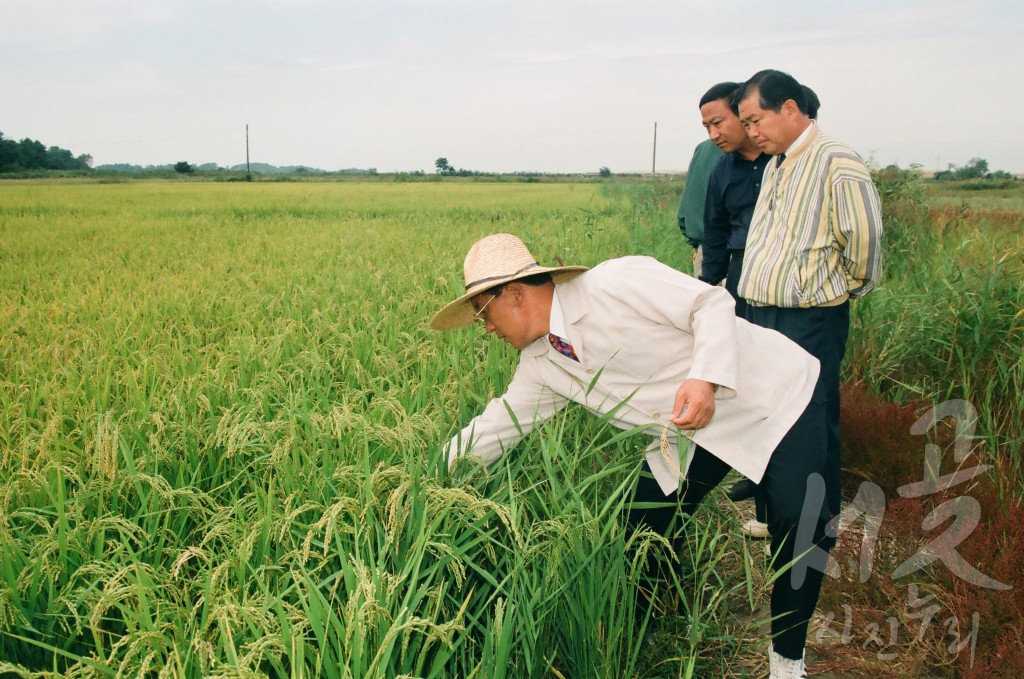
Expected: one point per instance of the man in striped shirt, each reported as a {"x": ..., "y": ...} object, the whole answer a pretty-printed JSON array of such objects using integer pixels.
[
  {"x": 814, "y": 241},
  {"x": 815, "y": 237}
]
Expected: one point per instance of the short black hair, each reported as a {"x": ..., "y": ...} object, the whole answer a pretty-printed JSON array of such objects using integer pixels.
[
  {"x": 536, "y": 280},
  {"x": 812, "y": 103},
  {"x": 774, "y": 89},
  {"x": 721, "y": 91}
]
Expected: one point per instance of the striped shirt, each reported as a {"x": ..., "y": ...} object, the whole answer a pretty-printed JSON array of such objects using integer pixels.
[{"x": 816, "y": 235}]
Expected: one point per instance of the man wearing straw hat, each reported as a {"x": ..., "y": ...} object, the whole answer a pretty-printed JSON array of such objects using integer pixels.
[{"x": 663, "y": 352}]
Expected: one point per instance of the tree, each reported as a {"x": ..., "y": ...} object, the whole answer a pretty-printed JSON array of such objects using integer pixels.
[
  {"x": 181, "y": 167},
  {"x": 60, "y": 159},
  {"x": 28, "y": 154},
  {"x": 976, "y": 168},
  {"x": 8, "y": 154},
  {"x": 605, "y": 172},
  {"x": 443, "y": 167},
  {"x": 32, "y": 154}
]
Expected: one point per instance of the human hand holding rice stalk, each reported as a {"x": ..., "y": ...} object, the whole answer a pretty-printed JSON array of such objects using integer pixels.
[{"x": 693, "y": 409}]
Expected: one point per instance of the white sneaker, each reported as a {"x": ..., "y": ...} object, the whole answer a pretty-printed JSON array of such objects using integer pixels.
[
  {"x": 781, "y": 667},
  {"x": 755, "y": 529}
]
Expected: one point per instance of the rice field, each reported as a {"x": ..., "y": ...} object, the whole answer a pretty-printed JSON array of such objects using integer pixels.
[{"x": 221, "y": 415}]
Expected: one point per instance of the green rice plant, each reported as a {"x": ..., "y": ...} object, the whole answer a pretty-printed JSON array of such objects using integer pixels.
[{"x": 222, "y": 413}]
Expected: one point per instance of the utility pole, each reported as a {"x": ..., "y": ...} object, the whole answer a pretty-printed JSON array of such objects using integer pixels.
[
  {"x": 654, "y": 155},
  {"x": 248, "y": 175}
]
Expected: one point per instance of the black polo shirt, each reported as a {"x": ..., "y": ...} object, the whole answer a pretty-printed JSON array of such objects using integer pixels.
[{"x": 732, "y": 193}]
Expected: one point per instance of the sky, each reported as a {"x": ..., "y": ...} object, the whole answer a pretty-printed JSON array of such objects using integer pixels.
[{"x": 499, "y": 86}]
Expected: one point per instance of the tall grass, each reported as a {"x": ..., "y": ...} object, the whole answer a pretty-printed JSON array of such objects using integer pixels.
[{"x": 948, "y": 323}]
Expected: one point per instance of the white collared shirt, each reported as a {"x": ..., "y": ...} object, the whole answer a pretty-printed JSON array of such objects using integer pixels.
[
  {"x": 801, "y": 139},
  {"x": 556, "y": 325}
]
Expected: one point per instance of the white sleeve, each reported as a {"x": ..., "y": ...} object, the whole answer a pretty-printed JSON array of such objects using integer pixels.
[
  {"x": 664, "y": 295},
  {"x": 506, "y": 419}
]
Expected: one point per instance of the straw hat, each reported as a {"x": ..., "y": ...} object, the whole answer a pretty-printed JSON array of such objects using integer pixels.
[{"x": 492, "y": 261}]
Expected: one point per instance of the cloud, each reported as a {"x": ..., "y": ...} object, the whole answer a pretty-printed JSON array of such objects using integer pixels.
[{"x": 67, "y": 26}]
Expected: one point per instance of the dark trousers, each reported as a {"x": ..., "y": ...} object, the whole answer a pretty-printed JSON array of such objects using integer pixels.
[
  {"x": 822, "y": 332},
  {"x": 732, "y": 279},
  {"x": 799, "y": 455}
]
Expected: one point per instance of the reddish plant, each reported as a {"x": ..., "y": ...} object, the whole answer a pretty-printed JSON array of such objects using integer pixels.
[
  {"x": 930, "y": 604},
  {"x": 877, "y": 443},
  {"x": 994, "y": 551}
]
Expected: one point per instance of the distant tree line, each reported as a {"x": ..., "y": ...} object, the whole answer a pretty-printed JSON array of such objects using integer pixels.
[
  {"x": 446, "y": 169},
  {"x": 976, "y": 168},
  {"x": 27, "y": 154}
]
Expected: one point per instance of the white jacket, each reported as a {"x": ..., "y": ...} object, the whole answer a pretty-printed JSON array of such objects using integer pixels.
[{"x": 640, "y": 329}]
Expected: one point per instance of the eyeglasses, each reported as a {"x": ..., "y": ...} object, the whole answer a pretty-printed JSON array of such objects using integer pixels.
[{"x": 479, "y": 315}]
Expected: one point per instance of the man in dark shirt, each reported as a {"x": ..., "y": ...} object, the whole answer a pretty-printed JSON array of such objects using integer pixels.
[{"x": 732, "y": 191}]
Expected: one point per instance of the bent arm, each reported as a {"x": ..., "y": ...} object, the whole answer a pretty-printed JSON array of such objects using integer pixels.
[
  {"x": 506, "y": 419},
  {"x": 858, "y": 219}
]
